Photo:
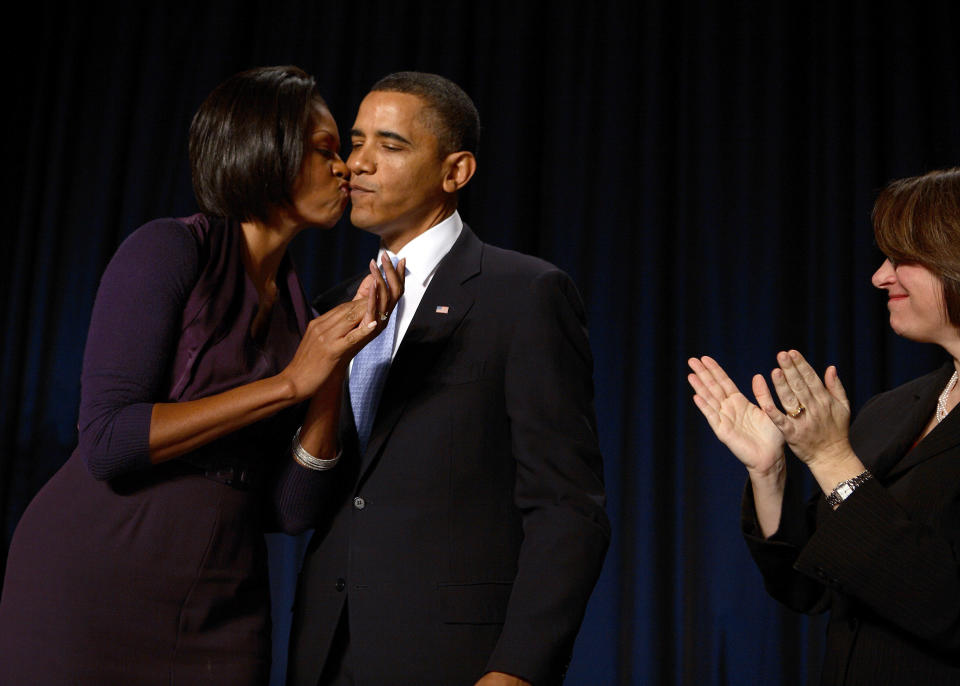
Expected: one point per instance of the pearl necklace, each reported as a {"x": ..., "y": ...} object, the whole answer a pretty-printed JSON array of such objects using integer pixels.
[{"x": 942, "y": 401}]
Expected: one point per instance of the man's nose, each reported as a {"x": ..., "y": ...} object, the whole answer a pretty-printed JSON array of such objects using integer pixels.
[{"x": 359, "y": 162}]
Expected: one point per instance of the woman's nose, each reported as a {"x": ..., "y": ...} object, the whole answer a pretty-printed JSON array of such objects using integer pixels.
[
  {"x": 340, "y": 168},
  {"x": 884, "y": 276}
]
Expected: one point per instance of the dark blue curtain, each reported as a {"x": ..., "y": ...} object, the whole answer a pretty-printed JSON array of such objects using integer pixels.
[{"x": 703, "y": 170}]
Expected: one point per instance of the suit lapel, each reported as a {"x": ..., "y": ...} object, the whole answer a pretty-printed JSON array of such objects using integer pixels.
[
  {"x": 886, "y": 443},
  {"x": 444, "y": 305},
  {"x": 944, "y": 436}
]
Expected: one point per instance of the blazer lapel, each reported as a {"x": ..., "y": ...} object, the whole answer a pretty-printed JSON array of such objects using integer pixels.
[
  {"x": 944, "y": 436},
  {"x": 886, "y": 443},
  {"x": 444, "y": 305}
]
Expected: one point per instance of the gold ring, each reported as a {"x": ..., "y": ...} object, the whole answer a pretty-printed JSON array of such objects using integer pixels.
[{"x": 797, "y": 412}]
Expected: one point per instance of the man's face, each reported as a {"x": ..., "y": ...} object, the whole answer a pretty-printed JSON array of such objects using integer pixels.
[{"x": 396, "y": 189}]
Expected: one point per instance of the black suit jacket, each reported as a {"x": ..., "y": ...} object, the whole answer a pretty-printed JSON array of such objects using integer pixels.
[
  {"x": 469, "y": 535},
  {"x": 886, "y": 563}
]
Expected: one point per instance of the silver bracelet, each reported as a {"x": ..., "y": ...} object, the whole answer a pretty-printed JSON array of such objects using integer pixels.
[
  {"x": 305, "y": 459},
  {"x": 845, "y": 488}
]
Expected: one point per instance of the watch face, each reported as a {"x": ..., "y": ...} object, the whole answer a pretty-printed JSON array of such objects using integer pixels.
[{"x": 844, "y": 490}]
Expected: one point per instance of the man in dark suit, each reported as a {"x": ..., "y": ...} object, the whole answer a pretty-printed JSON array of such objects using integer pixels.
[{"x": 460, "y": 541}]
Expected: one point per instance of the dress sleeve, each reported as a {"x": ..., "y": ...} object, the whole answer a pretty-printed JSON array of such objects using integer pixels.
[{"x": 131, "y": 342}]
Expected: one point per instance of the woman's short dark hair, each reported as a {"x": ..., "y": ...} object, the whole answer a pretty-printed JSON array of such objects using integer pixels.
[
  {"x": 451, "y": 114},
  {"x": 247, "y": 141},
  {"x": 918, "y": 220}
]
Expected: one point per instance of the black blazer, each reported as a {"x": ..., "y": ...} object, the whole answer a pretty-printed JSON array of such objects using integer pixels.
[
  {"x": 469, "y": 535},
  {"x": 886, "y": 563}
]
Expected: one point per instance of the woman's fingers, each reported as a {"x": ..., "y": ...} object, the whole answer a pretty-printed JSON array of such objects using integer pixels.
[
  {"x": 379, "y": 285},
  {"x": 710, "y": 381},
  {"x": 370, "y": 319},
  {"x": 395, "y": 278},
  {"x": 336, "y": 323},
  {"x": 832, "y": 381},
  {"x": 765, "y": 400},
  {"x": 802, "y": 378},
  {"x": 387, "y": 285},
  {"x": 363, "y": 290},
  {"x": 789, "y": 398},
  {"x": 720, "y": 376},
  {"x": 789, "y": 382},
  {"x": 701, "y": 380},
  {"x": 709, "y": 412}
]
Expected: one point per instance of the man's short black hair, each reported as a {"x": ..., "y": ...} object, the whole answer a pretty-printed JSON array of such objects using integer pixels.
[
  {"x": 450, "y": 112},
  {"x": 247, "y": 141}
]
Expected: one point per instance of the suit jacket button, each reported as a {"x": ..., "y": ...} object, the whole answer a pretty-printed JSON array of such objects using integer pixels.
[
  {"x": 359, "y": 503},
  {"x": 341, "y": 584}
]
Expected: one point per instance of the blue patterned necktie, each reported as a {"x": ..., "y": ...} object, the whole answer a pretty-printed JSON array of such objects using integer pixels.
[{"x": 367, "y": 376}]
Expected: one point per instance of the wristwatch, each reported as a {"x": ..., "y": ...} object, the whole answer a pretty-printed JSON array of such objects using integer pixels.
[{"x": 845, "y": 488}]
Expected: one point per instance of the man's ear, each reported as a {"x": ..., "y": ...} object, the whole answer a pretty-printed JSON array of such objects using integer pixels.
[{"x": 458, "y": 169}]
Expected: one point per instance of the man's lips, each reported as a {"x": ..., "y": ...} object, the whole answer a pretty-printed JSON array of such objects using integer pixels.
[{"x": 354, "y": 188}]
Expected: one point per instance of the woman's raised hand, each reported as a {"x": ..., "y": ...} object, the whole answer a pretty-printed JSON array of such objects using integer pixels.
[
  {"x": 817, "y": 419},
  {"x": 332, "y": 339},
  {"x": 739, "y": 424},
  {"x": 381, "y": 292}
]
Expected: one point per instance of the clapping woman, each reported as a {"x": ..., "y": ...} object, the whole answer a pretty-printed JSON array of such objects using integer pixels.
[{"x": 879, "y": 546}]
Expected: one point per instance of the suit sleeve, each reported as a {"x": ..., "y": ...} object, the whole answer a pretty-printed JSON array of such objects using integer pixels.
[
  {"x": 559, "y": 482},
  {"x": 777, "y": 555},
  {"x": 903, "y": 565},
  {"x": 906, "y": 572}
]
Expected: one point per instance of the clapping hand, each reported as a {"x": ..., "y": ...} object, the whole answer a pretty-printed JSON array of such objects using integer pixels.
[
  {"x": 817, "y": 419},
  {"x": 742, "y": 426}
]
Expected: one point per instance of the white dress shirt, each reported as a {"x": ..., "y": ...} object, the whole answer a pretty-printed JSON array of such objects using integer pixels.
[{"x": 423, "y": 255}]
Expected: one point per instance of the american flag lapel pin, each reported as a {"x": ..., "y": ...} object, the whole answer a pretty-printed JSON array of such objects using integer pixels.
[{"x": 443, "y": 309}]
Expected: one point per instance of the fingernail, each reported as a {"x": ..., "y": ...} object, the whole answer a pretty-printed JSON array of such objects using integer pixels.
[{"x": 371, "y": 325}]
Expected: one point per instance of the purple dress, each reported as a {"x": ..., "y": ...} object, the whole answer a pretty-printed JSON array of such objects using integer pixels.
[{"x": 125, "y": 573}]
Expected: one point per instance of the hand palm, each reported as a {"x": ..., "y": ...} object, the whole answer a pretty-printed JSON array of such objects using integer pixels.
[{"x": 748, "y": 432}]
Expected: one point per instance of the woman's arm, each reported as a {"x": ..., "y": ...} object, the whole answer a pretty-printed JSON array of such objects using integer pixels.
[
  {"x": 133, "y": 335},
  {"x": 298, "y": 494},
  {"x": 902, "y": 564},
  {"x": 381, "y": 292},
  {"x": 329, "y": 342},
  {"x": 749, "y": 434}
]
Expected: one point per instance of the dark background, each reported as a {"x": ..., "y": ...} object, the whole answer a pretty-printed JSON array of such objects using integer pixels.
[{"x": 703, "y": 170}]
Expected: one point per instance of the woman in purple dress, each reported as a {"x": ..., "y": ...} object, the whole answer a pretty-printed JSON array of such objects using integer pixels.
[{"x": 142, "y": 561}]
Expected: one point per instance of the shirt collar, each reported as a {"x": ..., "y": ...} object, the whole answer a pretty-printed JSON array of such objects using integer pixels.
[{"x": 424, "y": 252}]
